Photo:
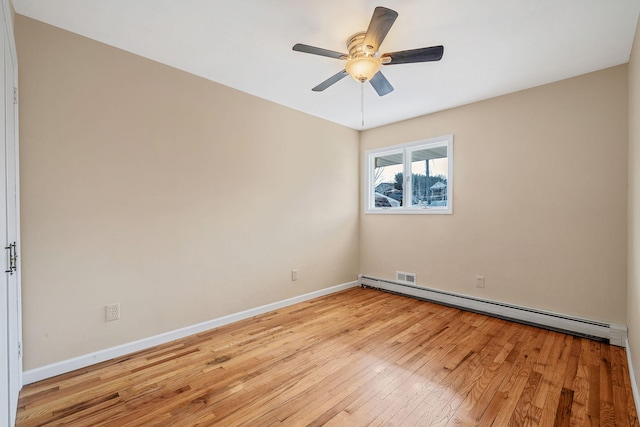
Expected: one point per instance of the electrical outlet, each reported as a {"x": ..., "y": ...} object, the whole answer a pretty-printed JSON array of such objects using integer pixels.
[
  {"x": 112, "y": 312},
  {"x": 479, "y": 281},
  {"x": 294, "y": 275}
]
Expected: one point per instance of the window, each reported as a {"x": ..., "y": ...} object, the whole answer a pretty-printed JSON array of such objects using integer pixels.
[{"x": 410, "y": 178}]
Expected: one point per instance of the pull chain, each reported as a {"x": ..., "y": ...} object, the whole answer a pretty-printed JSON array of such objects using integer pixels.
[{"x": 362, "y": 101}]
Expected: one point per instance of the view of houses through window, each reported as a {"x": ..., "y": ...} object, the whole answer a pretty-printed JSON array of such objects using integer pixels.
[{"x": 415, "y": 177}]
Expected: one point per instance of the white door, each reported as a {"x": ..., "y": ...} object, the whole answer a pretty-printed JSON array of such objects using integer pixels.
[
  {"x": 13, "y": 294},
  {"x": 4, "y": 279},
  {"x": 10, "y": 333}
]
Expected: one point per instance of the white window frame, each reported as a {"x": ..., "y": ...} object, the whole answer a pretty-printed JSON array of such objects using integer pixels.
[{"x": 406, "y": 149}]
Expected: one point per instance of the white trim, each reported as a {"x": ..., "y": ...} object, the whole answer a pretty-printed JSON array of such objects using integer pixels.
[
  {"x": 615, "y": 333},
  {"x": 632, "y": 378},
  {"x": 6, "y": 6},
  {"x": 69, "y": 365}
]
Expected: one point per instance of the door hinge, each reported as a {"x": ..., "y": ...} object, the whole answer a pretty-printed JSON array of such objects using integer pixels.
[
  {"x": 12, "y": 261},
  {"x": 20, "y": 348},
  {"x": 15, "y": 95}
]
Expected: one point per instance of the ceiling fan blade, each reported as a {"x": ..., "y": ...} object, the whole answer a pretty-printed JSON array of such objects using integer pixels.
[
  {"x": 381, "y": 84},
  {"x": 331, "y": 80},
  {"x": 425, "y": 54},
  {"x": 319, "y": 51},
  {"x": 380, "y": 24}
]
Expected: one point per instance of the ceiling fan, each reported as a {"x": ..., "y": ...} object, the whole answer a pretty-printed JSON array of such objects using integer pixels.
[{"x": 363, "y": 61}]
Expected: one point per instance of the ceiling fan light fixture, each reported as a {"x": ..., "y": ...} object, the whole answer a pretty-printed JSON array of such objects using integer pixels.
[
  {"x": 364, "y": 61},
  {"x": 363, "y": 68}
]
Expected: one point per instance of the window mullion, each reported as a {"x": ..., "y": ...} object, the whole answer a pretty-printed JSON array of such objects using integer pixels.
[
  {"x": 372, "y": 190},
  {"x": 408, "y": 185}
]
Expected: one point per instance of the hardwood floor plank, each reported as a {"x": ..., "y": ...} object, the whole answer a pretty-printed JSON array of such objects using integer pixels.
[
  {"x": 593, "y": 396},
  {"x": 554, "y": 392},
  {"x": 563, "y": 412},
  {"x": 354, "y": 358},
  {"x": 580, "y": 390},
  {"x": 572, "y": 364},
  {"x": 521, "y": 411},
  {"x": 621, "y": 400}
]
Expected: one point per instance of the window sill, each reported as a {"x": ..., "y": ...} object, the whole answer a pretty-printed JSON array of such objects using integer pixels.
[{"x": 415, "y": 211}]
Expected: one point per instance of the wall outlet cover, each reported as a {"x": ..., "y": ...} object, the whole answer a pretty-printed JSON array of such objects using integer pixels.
[{"x": 112, "y": 312}]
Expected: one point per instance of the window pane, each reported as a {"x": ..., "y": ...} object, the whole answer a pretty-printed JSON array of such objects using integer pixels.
[
  {"x": 387, "y": 178},
  {"x": 429, "y": 176}
]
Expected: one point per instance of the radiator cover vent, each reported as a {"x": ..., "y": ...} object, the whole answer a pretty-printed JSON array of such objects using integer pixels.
[{"x": 403, "y": 277}]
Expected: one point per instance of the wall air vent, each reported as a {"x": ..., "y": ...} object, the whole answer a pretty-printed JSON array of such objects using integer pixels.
[{"x": 410, "y": 278}]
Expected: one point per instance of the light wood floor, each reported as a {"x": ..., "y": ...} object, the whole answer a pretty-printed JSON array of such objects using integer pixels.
[{"x": 358, "y": 357}]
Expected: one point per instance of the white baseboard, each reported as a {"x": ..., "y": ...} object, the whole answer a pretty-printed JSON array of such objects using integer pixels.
[
  {"x": 69, "y": 365},
  {"x": 634, "y": 384},
  {"x": 615, "y": 333}
]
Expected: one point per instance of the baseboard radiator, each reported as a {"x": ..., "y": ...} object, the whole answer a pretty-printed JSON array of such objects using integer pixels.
[{"x": 612, "y": 333}]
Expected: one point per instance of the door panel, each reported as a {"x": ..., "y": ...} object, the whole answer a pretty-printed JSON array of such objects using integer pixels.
[
  {"x": 5, "y": 407},
  {"x": 13, "y": 300},
  {"x": 10, "y": 312}
]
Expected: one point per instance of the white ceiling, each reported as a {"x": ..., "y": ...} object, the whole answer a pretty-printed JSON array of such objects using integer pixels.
[{"x": 492, "y": 47}]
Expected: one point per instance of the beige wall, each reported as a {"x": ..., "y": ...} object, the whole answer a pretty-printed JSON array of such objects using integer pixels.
[
  {"x": 539, "y": 200},
  {"x": 182, "y": 199},
  {"x": 633, "y": 284}
]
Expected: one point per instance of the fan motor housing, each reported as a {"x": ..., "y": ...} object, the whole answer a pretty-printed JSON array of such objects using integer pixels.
[{"x": 356, "y": 47}]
